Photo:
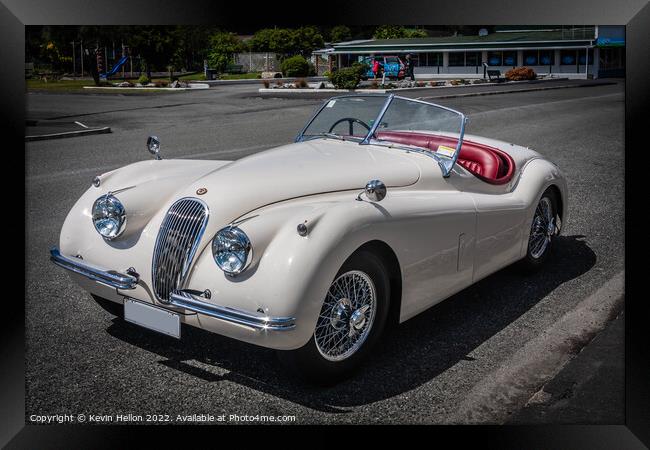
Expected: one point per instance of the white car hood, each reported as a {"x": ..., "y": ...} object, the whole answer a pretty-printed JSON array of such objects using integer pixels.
[{"x": 297, "y": 170}]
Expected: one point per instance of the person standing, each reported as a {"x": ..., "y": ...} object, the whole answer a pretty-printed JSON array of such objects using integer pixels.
[
  {"x": 410, "y": 67},
  {"x": 375, "y": 67}
]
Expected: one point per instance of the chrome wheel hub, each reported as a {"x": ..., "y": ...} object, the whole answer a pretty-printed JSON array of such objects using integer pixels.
[
  {"x": 542, "y": 229},
  {"x": 346, "y": 317}
]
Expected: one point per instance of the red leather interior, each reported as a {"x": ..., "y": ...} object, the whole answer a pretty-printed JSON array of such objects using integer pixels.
[{"x": 487, "y": 163}]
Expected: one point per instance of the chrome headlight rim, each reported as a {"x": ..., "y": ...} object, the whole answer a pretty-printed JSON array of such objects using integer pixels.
[
  {"x": 121, "y": 216},
  {"x": 242, "y": 239}
]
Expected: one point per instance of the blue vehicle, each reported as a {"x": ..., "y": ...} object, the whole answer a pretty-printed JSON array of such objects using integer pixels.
[{"x": 392, "y": 66}]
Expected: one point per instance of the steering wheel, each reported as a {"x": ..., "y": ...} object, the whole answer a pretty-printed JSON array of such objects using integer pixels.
[{"x": 351, "y": 121}]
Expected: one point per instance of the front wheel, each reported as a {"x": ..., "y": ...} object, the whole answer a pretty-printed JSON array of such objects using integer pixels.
[{"x": 349, "y": 324}]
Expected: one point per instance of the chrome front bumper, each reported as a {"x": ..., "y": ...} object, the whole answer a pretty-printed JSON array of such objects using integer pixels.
[
  {"x": 110, "y": 278},
  {"x": 183, "y": 299}
]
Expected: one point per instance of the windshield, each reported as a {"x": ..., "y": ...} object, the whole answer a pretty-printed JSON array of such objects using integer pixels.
[
  {"x": 346, "y": 117},
  {"x": 390, "y": 120}
]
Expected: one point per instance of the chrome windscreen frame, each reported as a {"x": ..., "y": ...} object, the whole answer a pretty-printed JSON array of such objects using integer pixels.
[{"x": 446, "y": 163}]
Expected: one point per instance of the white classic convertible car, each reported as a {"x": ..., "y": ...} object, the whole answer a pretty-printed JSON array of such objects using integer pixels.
[{"x": 381, "y": 208}]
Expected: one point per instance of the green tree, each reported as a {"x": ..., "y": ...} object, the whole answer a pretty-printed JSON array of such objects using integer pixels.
[
  {"x": 397, "y": 32},
  {"x": 155, "y": 45},
  {"x": 340, "y": 33},
  {"x": 305, "y": 40},
  {"x": 223, "y": 46},
  {"x": 286, "y": 42},
  {"x": 273, "y": 40}
]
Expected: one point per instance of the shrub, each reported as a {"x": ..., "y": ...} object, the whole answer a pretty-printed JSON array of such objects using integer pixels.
[
  {"x": 374, "y": 84},
  {"x": 277, "y": 75},
  {"x": 420, "y": 84},
  {"x": 296, "y": 66},
  {"x": 347, "y": 78},
  {"x": 361, "y": 67},
  {"x": 161, "y": 83},
  {"x": 266, "y": 83},
  {"x": 144, "y": 79},
  {"x": 301, "y": 83},
  {"x": 327, "y": 74},
  {"x": 279, "y": 83},
  {"x": 520, "y": 73}
]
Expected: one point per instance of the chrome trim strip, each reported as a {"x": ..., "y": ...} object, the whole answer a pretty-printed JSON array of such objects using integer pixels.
[
  {"x": 183, "y": 299},
  {"x": 109, "y": 278}
]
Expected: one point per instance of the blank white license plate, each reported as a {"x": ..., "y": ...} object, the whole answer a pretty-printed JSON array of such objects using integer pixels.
[{"x": 152, "y": 317}]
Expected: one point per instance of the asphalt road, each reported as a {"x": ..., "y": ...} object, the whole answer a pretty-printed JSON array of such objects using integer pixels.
[{"x": 80, "y": 360}]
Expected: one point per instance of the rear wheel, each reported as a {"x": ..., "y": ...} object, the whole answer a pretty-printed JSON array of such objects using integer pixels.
[
  {"x": 349, "y": 324},
  {"x": 543, "y": 230}
]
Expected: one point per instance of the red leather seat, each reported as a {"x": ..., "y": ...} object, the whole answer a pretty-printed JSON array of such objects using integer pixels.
[{"x": 487, "y": 163}]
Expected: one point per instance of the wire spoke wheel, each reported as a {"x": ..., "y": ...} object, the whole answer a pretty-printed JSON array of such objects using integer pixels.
[
  {"x": 542, "y": 228},
  {"x": 347, "y": 316}
]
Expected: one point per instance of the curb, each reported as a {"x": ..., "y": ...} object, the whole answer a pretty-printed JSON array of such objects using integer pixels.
[
  {"x": 213, "y": 83},
  {"x": 66, "y": 134},
  {"x": 312, "y": 92},
  {"x": 492, "y": 401},
  {"x": 142, "y": 88},
  {"x": 512, "y": 91}
]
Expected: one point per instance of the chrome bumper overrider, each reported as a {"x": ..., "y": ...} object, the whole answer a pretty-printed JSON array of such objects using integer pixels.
[
  {"x": 186, "y": 300},
  {"x": 110, "y": 278}
]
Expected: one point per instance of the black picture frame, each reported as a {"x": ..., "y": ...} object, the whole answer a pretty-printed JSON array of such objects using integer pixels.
[{"x": 635, "y": 15}]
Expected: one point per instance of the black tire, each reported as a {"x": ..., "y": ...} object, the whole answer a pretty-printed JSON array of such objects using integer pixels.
[
  {"x": 116, "y": 309},
  {"x": 309, "y": 364},
  {"x": 533, "y": 261}
]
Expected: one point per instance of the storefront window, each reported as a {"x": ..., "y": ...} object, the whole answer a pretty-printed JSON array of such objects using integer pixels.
[
  {"x": 510, "y": 58},
  {"x": 568, "y": 57},
  {"x": 456, "y": 58},
  {"x": 495, "y": 58},
  {"x": 473, "y": 59},
  {"x": 531, "y": 57},
  {"x": 431, "y": 59},
  {"x": 546, "y": 57},
  {"x": 582, "y": 56}
]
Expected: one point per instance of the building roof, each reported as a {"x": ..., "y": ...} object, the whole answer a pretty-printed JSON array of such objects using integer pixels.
[{"x": 501, "y": 39}]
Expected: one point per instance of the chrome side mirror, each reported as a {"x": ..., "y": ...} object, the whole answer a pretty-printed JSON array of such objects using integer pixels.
[
  {"x": 375, "y": 190},
  {"x": 153, "y": 145}
]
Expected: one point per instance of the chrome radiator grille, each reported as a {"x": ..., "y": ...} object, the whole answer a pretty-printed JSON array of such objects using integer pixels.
[{"x": 176, "y": 244}]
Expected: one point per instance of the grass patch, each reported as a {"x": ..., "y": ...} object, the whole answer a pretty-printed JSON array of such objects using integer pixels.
[
  {"x": 60, "y": 85},
  {"x": 240, "y": 76},
  {"x": 199, "y": 76}
]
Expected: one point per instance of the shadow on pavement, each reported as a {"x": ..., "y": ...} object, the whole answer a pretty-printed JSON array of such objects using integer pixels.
[{"x": 414, "y": 353}]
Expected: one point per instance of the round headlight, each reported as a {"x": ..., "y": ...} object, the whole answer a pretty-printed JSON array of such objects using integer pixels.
[
  {"x": 109, "y": 216},
  {"x": 231, "y": 249}
]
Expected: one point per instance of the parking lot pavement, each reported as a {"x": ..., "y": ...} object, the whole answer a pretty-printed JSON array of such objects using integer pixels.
[{"x": 80, "y": 360}]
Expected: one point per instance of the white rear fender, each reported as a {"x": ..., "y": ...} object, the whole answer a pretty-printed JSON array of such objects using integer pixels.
[{"x": 538, "y": 175}]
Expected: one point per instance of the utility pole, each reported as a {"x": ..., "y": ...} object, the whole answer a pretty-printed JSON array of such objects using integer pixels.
[
  {"x": 74, "y": 71},
  {"x": 82, "y": 58}
]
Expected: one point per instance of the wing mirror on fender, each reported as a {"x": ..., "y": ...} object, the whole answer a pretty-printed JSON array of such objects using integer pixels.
[{"x": 375, "y": 190}]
